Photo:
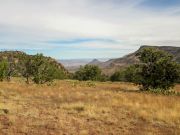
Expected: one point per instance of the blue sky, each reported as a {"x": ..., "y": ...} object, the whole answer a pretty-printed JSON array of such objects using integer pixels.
[
  {"x": 160, "y": 3},
  {"x": 66, "y": 29}
]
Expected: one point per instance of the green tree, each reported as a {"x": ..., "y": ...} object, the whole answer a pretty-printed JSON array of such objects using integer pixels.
[
  {"x": 88, "y": 72},
  {"x": 104, "y": 78},
  {"x": 27, "y": 70},
  {"x": 132, "y": 73},
  {"x": 118, "y": 76},
  {"x": 59, "y": 74},
  {"x": 178, "y": 81},
  {"x": 127, "y": 74},
  {"x": 3, "y": 70},
  {"x": 158, "y": 70},
  {"x": 42, "y": 70},
  {"x": 11, "y": 68}
]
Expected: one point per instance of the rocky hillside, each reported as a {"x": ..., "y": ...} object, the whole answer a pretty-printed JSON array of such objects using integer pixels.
[
  {"x": 132, "y": 58},
  {"x": 114, "y": 64}
]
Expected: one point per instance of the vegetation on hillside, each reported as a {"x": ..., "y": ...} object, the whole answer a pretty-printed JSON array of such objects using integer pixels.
[
  {"x": 37, "y": 68},
  {"x": 156, "y": 70},
  {"x": 3, "y": 69}
]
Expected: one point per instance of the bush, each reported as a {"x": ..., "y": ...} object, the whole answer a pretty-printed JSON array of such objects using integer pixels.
[
  {"x": 128, "y": 74},
  {"x": 88, "y": 72},
  {"x": 3, "y": 70},
  {"x": 132, "y": 73},
  {"x": 104, "y": 78},
  {"x": 164, "y": 92},
  {"x": 178, "y": 80},
  {"x": 118, "y": 76}
]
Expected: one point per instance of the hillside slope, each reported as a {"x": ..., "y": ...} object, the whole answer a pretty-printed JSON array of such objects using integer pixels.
[
  {"x": 112, "y": 65},
  {"x": 94, "y": 62},
  {"x": 17, "y": 58},
  {"x": 132, "y": 58}
]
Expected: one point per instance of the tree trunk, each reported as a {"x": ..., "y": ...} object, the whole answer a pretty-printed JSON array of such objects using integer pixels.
[{"x": 27, "y": 79}]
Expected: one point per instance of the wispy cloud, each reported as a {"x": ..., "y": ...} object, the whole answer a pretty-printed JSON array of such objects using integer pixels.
[
  {"x": 80, "y": 41},
  {"x": 58, "y": 26}
]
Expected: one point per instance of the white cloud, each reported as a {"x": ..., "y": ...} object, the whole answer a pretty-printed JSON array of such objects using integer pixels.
[{"x": 34, "y": 21}]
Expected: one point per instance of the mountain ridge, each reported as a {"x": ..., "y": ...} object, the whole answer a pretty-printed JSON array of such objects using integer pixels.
[{"x": 113, "y": 65}]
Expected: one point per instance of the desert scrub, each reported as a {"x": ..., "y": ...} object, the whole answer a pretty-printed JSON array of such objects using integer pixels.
[
  {"x": 164, "y": 92},
  {"x": 74, "y": 107},
  {"x": 4, "y": 111},
  {"x": 90, "y": 84},
  {"x": 75, "y": 83},
  {"x": 83, "y": 109}
]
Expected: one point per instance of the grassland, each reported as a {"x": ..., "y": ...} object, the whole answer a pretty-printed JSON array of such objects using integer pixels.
[{"x": 86, "y": 108}]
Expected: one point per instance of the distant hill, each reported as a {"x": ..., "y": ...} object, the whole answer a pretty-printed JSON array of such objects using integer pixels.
[
  {"x": 132, "y": 58},
  {"x": 74, "y": 62},
  {"x": 113, "y": 65},
  {"x": 72, "y": 65},
  {"x": 94, "y": 62},
  {"x": 17, "y": 58}
]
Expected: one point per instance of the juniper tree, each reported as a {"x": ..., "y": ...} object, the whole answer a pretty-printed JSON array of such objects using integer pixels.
[{"x": 158, "y": 69}]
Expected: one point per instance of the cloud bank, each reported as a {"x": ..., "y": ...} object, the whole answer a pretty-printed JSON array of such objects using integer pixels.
[{"x": 89, "y": 28}]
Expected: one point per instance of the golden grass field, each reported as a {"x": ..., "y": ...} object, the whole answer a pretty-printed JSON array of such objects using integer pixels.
[{"x": 86, "y": 108}]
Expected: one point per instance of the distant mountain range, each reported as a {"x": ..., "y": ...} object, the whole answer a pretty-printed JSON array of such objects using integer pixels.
[
  {"x": 113, "y": 65},
  {"x": 74, "y": 62},
  {"x": 73, "y": 65}
]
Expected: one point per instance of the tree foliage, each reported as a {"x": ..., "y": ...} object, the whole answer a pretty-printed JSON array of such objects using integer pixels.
[
  {"x": 118, "y": 76},
  {"x": 158, "y": 70},
  {"x": 88, "y": 72},
  {"x": 128, "y": 74},
  {"x": 42, "y": 71},
  {"x": 39, "y": 69},
  {"x": 26, "y": 67},
  {"x": 3, "y": 69}
]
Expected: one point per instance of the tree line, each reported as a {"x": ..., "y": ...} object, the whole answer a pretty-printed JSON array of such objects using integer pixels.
[{"x": 156, "y": 70}]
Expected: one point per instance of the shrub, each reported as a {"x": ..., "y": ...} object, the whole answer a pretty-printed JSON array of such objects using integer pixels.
[
  {"x": 132, "y": 73},
  {"x": 178, "y": 80},
  {"x": 3, "y": 70},
  {"x": 104, "y": 78},
  {"x": 118, "y": 76},
  {"x": 128, "y": 74},
  {"x": 164, "y": 92}
]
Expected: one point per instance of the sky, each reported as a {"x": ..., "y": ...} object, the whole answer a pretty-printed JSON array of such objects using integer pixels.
[{"x": 72, "y": 29}]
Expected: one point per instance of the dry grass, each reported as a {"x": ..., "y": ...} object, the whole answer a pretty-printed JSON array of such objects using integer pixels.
[{"x": 86, "y": 108}]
